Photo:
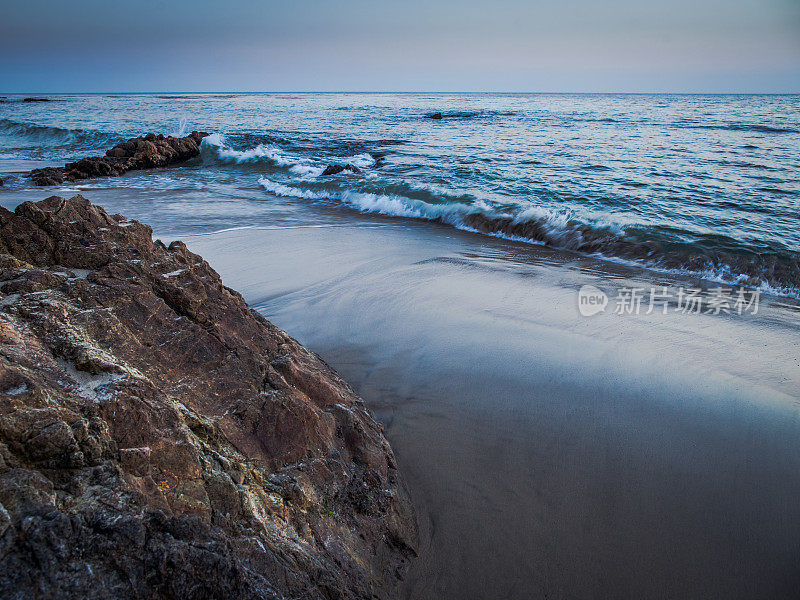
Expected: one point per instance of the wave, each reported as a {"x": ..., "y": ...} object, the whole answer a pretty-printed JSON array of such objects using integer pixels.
[
  {"x": 762, "y": 128},
  {"x": 775, "y": 190},
  {"x": 54, "y": 135},
  {"x": 216, "y": 148},
  {"x": 720, "y": 259},
  {"x": 280, "y": 189},
  {"x": 716, "y": 258},
  {"x": 362, "y": 161},
  {"x": 387, "y": 204},
  {"x": 743, "y": 127}
]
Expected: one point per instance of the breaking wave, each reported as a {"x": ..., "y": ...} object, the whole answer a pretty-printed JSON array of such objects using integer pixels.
[
  {"x": 775, "y": 269},
  {"x": 215, "y": 148}
]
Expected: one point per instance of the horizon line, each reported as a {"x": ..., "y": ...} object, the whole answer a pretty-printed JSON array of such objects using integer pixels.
[{"x": 629, "y": 93}]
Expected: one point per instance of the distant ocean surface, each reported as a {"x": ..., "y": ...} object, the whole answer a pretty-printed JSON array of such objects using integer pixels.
[{"x": 703, "y": 185}]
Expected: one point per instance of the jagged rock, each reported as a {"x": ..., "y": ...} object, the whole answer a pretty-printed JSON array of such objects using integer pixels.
[
  {"x": 160, "y": 440},
  {"x": 434, "y": 116},
  {"x": 48, "y": 176},
  {"x": 145, "y": 152},
  {"x": 336, "y": 169}
]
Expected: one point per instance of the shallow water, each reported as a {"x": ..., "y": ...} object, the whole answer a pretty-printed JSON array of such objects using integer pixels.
[{"x": 688, "y": 183}]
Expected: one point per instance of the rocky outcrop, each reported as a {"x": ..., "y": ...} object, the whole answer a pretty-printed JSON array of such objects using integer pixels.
[
  {"x": 437, "y": 115},
  {"x": 336, "y": 169},
  {"x": 160, "y": 440},
  {"x": 146, "y": 152}
]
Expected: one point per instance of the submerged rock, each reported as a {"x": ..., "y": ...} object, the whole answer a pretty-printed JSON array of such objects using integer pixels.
[
  {"x": 434, "y": 116},
  {"x": 145, "y": 152},
  {"x": 36, "y": 99},
  {"x": 159, "y": 439},
  {"x": 336, "y": 169}
]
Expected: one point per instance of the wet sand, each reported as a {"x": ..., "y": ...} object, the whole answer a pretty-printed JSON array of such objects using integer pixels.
[{"x": 549, "y": 455}]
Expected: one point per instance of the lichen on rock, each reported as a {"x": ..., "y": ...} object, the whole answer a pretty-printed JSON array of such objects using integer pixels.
[{"x": 159, "y": 439}]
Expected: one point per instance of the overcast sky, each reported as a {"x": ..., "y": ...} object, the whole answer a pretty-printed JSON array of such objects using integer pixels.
[{"x": 400, "y": 45}]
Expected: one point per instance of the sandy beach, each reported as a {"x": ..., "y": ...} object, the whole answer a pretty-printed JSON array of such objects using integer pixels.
[{"x": 549, "y": 454}]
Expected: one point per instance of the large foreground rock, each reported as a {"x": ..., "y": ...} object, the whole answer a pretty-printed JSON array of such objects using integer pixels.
[
  {"x": 158, "y": 439},
  {"x": 145, "y": 152}
]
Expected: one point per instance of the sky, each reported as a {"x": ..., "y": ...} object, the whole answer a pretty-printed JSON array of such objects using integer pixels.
[{"x": 718, "y": 46}]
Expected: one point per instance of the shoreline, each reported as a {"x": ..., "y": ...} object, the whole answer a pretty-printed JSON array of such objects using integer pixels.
[
  {"x": 346, "y": 216},
  {"x": 773, "y": 270}
]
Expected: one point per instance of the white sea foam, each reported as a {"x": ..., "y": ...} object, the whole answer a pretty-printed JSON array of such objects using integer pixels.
[
  {"x": 182, "y": 129},
  {"x": 216, "y": 144},
  {"x": 386, "y": 204},
  {"x": 280, "y": 189},
  {"x": 307, "y": 171},
  {"x": 362, "y": 161}
]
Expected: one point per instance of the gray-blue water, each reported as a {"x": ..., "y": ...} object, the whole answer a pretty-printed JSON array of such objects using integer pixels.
[
  {"x": 548, "y": 455},
  {"x": 707, "y": 185}
]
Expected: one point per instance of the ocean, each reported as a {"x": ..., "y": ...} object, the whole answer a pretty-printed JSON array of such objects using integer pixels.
[
  {"x": 548, "y": 453},
  {"x": 703, "y": 185}
]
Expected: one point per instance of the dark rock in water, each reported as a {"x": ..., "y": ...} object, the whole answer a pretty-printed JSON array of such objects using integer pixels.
[
  {"x": 160, "y": 440},
  {"x": 47, "y": 176},
  {"x": 36, "y": 99},
  {"x": 459, "y": 115},
  {"x": 335, "y": 169},
  {"x": 146, "y": 152}
]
